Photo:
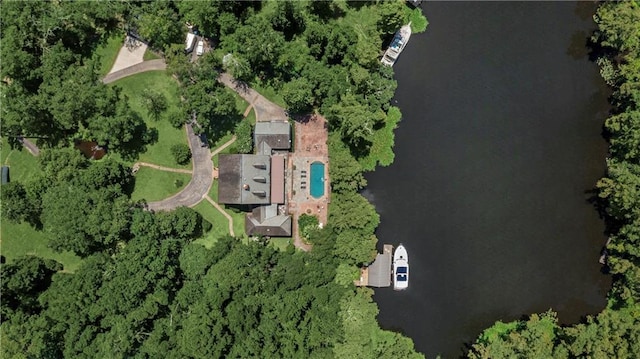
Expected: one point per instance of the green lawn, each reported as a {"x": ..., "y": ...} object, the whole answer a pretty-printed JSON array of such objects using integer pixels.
[
  {"x": 155, "y": 185},
  {"x": 17, "y": 240},
  {"x": 280, "y": 243},
  {"x": 251, "y": 117},
  {"x": 107, "y": 52},
  {"x": 133, "y": 86},
  {"x": 21, "y": 239},
  {"x": 23, "y": 165},
  {"x": 241, "y": 104},
  {"x": 220, "y": 224},
  {"x": 150, "y": 55},
  {"x": 219, "y": 143},
  {"x": 238, "y": 217}
]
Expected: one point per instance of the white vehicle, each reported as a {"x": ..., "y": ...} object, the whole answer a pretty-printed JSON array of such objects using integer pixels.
[
  {"x": 189, "y": 42},
  {"x": 200, "y": 48},
  {"x": 400, "y": 268}
]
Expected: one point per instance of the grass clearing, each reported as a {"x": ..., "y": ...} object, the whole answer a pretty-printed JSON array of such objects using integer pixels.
[
  {"x": 133, "y": 86},
  {"x": 150, "y": 55},
  {"x": 21, "y": 239},
  {"x": 23, "y": 165},
  {"x": 154, "y": 185},
  {"x": 219, "y": 143},
  {"x": 281, "y": 243},
  {"x": 107, "y": 52},
  {"x": 238, "y": 216},
  {"x": 251, "y": 117},
  {"x": 220, "y": 224}
]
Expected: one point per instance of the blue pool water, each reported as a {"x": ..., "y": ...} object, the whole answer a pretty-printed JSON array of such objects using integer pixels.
[{"x": 317, "y": 179}]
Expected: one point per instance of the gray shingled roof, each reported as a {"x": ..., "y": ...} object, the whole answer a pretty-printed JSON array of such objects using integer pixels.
[
  {"x": 244, "y": 179},
  {"x": 276, "y": 134},
  {"x": 264, "y": 220}
]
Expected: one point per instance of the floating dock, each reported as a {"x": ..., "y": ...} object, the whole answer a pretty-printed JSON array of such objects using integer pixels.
[{"x": 378, "y": 273}]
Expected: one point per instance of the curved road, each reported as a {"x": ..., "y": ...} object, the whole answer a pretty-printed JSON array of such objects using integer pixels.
[
  {"x": 150, "y": 65},
  {"x": 200, "y": 182}
]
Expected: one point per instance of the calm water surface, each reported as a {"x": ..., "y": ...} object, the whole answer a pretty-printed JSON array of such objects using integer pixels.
[{"x": 499, "y": 143}]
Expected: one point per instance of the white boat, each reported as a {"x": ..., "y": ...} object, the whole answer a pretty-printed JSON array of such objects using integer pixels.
[
  {"x": 398, "y": 43},
  {"x": 400, "y": 268}
]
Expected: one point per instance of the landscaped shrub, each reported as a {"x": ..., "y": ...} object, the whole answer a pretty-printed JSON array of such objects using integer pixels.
[
  {"x": 176, "y": 118},
  {"x": 244, "y": 141},
  {"x": 307, "y": 224},
  {"x": 181, "y": 153}
]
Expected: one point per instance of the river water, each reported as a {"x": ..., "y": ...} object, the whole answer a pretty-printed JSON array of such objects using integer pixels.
[{"x": 499, "y": 146}]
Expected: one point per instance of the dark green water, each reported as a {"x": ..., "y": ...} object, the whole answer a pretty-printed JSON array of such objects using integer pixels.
[{"x": 499, "y": 143}]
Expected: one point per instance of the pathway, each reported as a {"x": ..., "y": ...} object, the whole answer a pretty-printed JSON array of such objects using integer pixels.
[
  {"x": 151, "y": 65},
  {"x": 162, "y": 168},
  {"x": 30, "y": 146},
  {"x": 200, "y": 182},
  {"x": 265, "y": 109},
  {"x": 224, "y": 213}
]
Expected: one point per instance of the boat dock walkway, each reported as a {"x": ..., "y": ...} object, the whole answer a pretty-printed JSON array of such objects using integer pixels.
[{"x": 378, "y": 273}]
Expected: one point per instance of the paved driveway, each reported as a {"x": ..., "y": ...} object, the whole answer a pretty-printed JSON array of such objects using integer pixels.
[
  {"x": 265, "y": 109},
  {"x": 200, "y": 182}
]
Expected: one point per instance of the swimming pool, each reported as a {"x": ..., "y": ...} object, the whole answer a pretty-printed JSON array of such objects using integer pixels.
[{"x": 317, "y": 179}]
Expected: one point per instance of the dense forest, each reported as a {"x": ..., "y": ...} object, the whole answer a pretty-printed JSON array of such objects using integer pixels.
[
  {"x": 144, "y": 288},
  {"x": 615, "y": 332}
]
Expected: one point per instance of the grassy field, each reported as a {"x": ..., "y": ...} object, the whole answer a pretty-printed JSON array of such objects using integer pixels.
[
  {"x": 220, "y": 224},
  {"x": 107, "y": 52},
  {"x": 17, "y": 240},
  {"x": 23, "y": 165},
  {"x": 149, "y": 55},
  {"x": 134, "y": 86},
  {"x": 238, "y": 217},
  {"x": 251, "y": 117},
  {"x": 155, "y": 185},
  {"x": 219, "y": 143},
  {"x": 21, "y": 239}
]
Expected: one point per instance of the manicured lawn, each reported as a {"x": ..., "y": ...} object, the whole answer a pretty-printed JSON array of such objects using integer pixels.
[
  {"x": 155, "y": 185},
  {"x": 251, "y": 117},
  {"x": 21, "y": 239},
  {"x": 107, "y": 52},
  {"x": 238, "y": 221},
  {"x": 219, "y": 143},
  {"x": 241, "y": 104},
  {"x": 23, "y": 165},
  {"x": 281, "y": 243},
  {"x": 134, "y": 86},
  {"x": 149, "y": 55},
  {"x": 269, "y": 92},
  {"x": 238, "y": 217},
  {"x": 220, "y": 224}
]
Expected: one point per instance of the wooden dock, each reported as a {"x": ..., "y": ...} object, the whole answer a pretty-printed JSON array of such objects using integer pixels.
[{"x": 378, "y": 273}]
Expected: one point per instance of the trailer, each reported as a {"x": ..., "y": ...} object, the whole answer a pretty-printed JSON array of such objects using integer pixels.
[{"x": 190, "y": 42}]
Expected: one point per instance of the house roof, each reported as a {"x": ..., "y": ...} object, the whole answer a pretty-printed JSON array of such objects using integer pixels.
[
  {"x": 277, "y": 134},
  {"x": 262, "y": 221},
  {"x": 277, "y": 179},
  {"x": 244, "y": 179}
]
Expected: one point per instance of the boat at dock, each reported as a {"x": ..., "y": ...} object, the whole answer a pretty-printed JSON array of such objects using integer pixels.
[
  {"x": 400, "y": 268},
  {"x": 398, "y": 43}
]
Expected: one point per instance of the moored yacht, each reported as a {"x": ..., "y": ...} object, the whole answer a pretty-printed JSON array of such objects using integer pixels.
[
  {"x": 400, "y": 268},
  {"x": 398, "y": 43}
]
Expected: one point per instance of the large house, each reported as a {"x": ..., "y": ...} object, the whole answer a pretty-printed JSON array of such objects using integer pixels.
[{"x": 258, "y": 180}]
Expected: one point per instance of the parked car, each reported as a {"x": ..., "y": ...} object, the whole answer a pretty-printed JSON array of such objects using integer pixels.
[{"x": 200, "y": 48}]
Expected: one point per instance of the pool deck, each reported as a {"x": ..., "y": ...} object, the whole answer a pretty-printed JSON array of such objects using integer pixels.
[{"x": 310, "y": 146}]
